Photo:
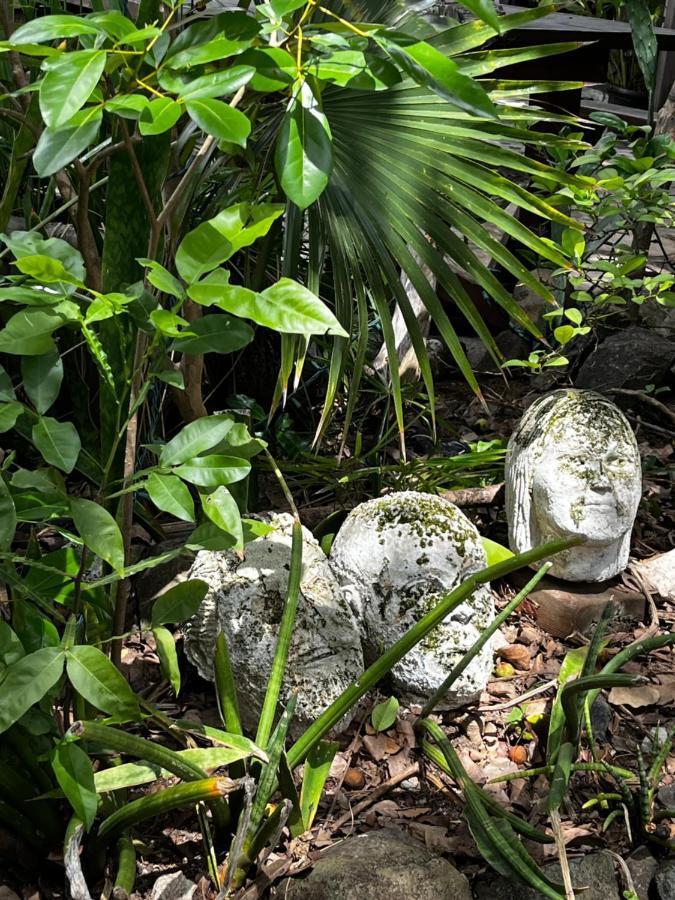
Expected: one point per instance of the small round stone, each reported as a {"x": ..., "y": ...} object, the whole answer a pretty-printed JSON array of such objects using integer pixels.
[{"x": 396, "y": 557}]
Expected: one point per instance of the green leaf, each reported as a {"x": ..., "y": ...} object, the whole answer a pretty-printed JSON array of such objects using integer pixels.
[
  {"x": 317, "y": 767},
  {"x": 564, "y": 334},
  {"x": 51, "y": 28},
  {"x": 68, "y": 84},
  {"x": 485, "y": 10},
  {"x": 214, "y": 334},
  {"x": 163, "y": 280},
  {"x": 26, "y": 682},
  {"x": 201, "y": 250},
  {"x": 7, "y": 516},
  {"x": 283, "y": 7},
  {"x": 28, "y": 332},
  {"x": 220, "y": 120},
  {"x": 384, "y": 714},
  {"x": 128, "y": 106},
  {"x": 304, "y": 149},
  {"x": 169, "y": 494},
  {"x": 494, "y": 552},
  {"x": 159, "y": 116},
  {"x": 275, "y": 68},
  {"x": 6, "y": 388},
  {"x": 42, "y": 377},
  {"x": 45, "y": 268},
  {"x": 244, "y": 223},
  {"x": 179, "y": 603},
  {"x": 99, "y": 531},
  {"x": 94, "y": 677},
  {"x": 216, "y": 84},
  {"x": 59, "y": 146},
  {"x": 168, "y": 657},
  {"x": 214, "y": 39},
  {"x": 9, "y": 413},
  {"x": 75, "y": 775},
  {"x": 58, "y": 442},
  {"x": 431, "y": 68},
  {"x": 644, "y": 39},
  {"x": 221, "y": 507},
  {"x": 212, "y": 471},
  {"x": 195, "y": 438}
]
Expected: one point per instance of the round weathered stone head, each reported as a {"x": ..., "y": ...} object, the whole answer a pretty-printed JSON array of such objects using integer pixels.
[
  {"x": 573, "y": 469},
  {"x": 396, "y": 557}
]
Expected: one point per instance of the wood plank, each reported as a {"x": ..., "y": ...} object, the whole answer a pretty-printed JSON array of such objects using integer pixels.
[
  {"x": 631, "y": 115},
  {"x": 567, "y": 27}
]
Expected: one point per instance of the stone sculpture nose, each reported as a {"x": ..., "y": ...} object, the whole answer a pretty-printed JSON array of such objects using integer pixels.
[{"x": 599, "y": 480}]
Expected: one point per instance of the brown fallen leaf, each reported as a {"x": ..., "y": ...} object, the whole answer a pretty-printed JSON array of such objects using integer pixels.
[
  {"x": 635, "y": 697},
  {"x": 518, "y": 655}
]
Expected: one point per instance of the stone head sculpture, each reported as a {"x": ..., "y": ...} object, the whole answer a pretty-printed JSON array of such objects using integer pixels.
[{"x": 573, "y": 469}]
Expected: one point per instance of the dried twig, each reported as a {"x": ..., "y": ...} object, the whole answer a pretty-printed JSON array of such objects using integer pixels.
[{"x": 375, "y": 795}]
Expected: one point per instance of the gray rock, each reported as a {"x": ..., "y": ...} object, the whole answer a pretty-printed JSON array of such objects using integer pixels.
[
  {"x": 642, "y": 867},
  {"x": 659, "y": 571},
  {"x": 396, "y": 557},
  {"x": 594, "y": 871},
  {"x": 664, "y": 880},
  {"x": 246, "y": 599},
  {"x": 172, "y": 887},
  {"x": 380, "y": 865},
  {"x": 631, "y": 358},
  {"x": 601, "y": 716}
]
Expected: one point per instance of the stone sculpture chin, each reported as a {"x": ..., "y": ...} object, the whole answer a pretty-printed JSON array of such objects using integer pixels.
[{"x": 573, "y": 469}]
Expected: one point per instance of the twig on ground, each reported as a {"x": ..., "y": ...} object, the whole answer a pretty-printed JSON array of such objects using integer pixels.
[
  {"x": 540, "y": 689},
  {"x": 556, "y": 827}
]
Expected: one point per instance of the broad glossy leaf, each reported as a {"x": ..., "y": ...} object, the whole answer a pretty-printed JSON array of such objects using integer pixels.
[
  {"x": 59, "y": 146},
  {"x": 28, "y": 332},
  {"x": 304, "y": 149},
  {"x": 69, "y": 82},
  {"x": 221, "y": 507},
  {"x": 212, "y": 471},
  {"x": 220, "y": 120},
  {"x": 215, "y": 334},
  {"x": 45, "y": 268},
  {"x": 201, "y": 250},
  {"x": 159, "y": 116},
  {"x": 26, "y": 682},
  {"x": 128, "y": 106},
  {"x": 7, "y": 516},
  {"x": 163, "y": 280},
  {"x": 291, "y": 308},
  {"x": 216, "y": 84},
  {"x": 99, "y": 531},
  {"x": 218, "y": 37},
  {"x": 75, "y": 775},
  {"x": 208, "y": 536},
  {"x": 194, "y": 438},
  {"x": 58, "y": 442},
  {"x": 168, "y": 657},
  {"x": 51, "y": 28},
  {"x": 42, "y": 377},
  {"x": 9, "y": 413},
  {"x": 244, "y": 223},
  {"x": 171, "y": 495},
  {"x": 179, "y": 603},
  {"x": 485, "y": 10},
  {"x": 30, "y": 243},
  {"x": 100, "y": 683},
  {"x": 274, "y": 67},
  {"x": 283, "y": 7}
]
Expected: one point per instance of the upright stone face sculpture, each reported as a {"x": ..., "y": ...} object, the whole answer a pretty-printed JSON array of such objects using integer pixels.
[
  {"x": 573, "y": 468},
  {"x": 246, "y": 600},
  {"x": 396, "y": 557}
]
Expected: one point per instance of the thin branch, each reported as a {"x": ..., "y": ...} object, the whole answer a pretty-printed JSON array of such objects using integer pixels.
[
  {"x": 85, "y": 234},
  {"x": 138, "y": 175}
]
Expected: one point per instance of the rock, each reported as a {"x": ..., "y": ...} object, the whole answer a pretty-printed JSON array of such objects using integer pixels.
[
  {"x": 7, "y": 893},
  {"x": 601, "y": 716},
  {"x": 573, "y": 470},
  {"x": 246, "y": 599},
  {"x": 631, "y": 358},
  {"x": 642, "y": 866},
  {"x": 594, "y": 871},
  {"x": 659, "y": 571},
  {"x": 666, "y": 795},
  {"x": 380, "y": 865},
  {"x": 172, "y": 887},
  {"x": 395, "y": 557},
  {"x": 664, "y": 880}
]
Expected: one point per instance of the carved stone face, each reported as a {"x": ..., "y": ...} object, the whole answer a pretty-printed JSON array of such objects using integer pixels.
[{"x": 574, "y": 470}]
